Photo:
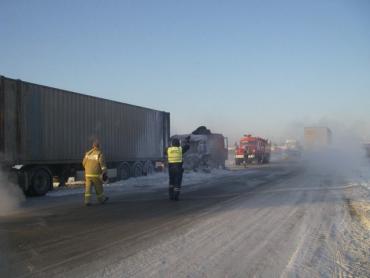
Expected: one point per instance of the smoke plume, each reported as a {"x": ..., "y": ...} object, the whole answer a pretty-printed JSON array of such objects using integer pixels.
[{"x": 11, "y": 196}]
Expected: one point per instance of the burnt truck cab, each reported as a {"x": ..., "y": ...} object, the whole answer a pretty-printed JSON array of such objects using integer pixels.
[
  {"x": 252, "y": 150},
  {"x": 206, "y": 151}
]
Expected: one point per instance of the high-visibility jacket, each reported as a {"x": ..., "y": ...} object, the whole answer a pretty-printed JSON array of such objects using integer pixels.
[
  {"x": 94, "y": 163},
  {"x": 174, "y": 154}
]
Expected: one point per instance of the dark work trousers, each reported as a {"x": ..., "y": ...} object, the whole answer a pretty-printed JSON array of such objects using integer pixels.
[{"x": 175, "y": 171}]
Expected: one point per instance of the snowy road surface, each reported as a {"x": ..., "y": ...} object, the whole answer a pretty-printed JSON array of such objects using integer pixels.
[{"x": 282, "y": 220}]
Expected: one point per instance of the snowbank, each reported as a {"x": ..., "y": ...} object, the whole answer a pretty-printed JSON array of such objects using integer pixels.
[{"x": 149, "y": 183}]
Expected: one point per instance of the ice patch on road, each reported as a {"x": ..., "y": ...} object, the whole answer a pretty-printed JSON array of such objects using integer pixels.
[{"x": 150, "y": 183}]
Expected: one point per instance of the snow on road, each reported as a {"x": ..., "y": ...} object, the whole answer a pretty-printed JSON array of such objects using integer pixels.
[
  {"x": 299, "y": 227},
  {"x": 152, "y": 182},
  {"x": 364, "y": 176},
  {"x": 275, "y": 221}
]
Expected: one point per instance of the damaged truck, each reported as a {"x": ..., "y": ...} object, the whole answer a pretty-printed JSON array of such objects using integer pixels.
[
  {"x": 207, "y": 150},
  {"x": 45, "y": 132}
]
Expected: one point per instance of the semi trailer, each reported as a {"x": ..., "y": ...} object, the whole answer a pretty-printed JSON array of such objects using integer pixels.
[{"x": 45, "y": 132}]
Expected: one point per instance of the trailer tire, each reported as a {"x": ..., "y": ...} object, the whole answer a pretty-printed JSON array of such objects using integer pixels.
[
  {"x": 137, "y": 169},
  {"x": 41, "y": 181},
  {"x": 124, "y": 171}
]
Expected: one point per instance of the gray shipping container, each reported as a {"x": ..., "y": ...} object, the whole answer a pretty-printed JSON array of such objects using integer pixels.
[{"x": 40, "y": 125}]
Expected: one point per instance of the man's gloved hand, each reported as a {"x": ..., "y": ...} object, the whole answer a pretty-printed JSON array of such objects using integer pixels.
[{"x": 105, "y": 177}]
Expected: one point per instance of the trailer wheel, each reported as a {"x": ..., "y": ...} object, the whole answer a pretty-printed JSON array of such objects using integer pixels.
[
  {"x": 148, "y": 168},
  {"x": 124, "y": 171},
  {"x": 41, "y": 181},
  {"x": 137, "y": 169}
]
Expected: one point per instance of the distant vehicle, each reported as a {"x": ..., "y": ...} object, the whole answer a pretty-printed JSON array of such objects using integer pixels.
[
  {"x": 317, "y": 137},
  {"x": 45, "y": 132},
  {"x": 292, "y": 149},
  {"x": 292, "y": 144},
  {"x": 206, "y": 151},
  {"x": 252, "y": 150}
]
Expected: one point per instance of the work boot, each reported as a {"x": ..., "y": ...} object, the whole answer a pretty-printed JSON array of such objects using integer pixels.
[
  {"x": 170, "y": 193},
  {"x": 176, "y": 196}
]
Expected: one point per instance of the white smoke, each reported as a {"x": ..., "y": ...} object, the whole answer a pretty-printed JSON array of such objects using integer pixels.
[
  {"x": 343, "y": 158},
  {"x": 11, "y": 196}
]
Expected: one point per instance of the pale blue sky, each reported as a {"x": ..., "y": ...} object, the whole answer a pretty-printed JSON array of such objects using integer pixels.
[{"x": 262, "y": 67}]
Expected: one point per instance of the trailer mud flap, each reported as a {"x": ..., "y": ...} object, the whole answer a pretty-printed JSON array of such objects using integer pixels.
[{"x": 23, "y": 180}]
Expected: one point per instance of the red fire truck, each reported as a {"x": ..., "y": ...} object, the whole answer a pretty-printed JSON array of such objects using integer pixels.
[{"x": 252, "y": 150}]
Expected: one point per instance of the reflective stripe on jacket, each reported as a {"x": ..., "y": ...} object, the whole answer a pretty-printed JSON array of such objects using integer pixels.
[
  {"x": 174, "y": 154},
  {"x": 94, "y": 163},
  {"x": 92, "y": 176}
]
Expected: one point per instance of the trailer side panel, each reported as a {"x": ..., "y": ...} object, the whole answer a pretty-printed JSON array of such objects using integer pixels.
[{"x": 57, "y": 126}]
